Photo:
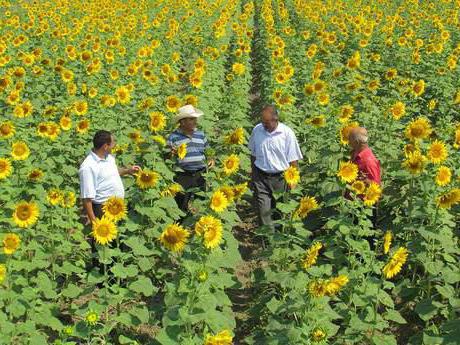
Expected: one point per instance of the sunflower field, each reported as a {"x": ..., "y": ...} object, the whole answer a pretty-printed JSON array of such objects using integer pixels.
[{"x": 328, "y": 275}]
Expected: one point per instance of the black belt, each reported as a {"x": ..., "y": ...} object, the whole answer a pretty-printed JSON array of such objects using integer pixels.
[
  {"x": 191, "y": 172},
  {"x": 264, "y": 173}
]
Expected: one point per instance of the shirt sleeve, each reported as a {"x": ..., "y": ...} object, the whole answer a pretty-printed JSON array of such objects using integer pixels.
[
  {"x": 293, "y": 152},
  {"x": 87, "y": 184},
  {"x": 205, "y": 142},
  {"x": 169, "y": 141},
  {"x": 371, "y": 169}
]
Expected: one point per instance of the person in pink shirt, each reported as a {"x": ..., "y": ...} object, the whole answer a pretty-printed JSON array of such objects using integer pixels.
[{"x": 363, "y": 157}]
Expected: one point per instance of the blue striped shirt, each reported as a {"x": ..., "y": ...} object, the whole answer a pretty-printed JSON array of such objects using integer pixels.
[{"x": 196, "y": 145}]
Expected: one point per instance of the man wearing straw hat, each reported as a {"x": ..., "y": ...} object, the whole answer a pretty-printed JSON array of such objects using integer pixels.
[{"x": 193, "y": 164}]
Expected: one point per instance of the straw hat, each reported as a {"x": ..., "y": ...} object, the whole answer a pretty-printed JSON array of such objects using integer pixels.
[{"x": 187, "y": 111}]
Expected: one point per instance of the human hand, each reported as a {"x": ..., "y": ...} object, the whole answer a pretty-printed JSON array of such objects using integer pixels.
[
  {"x": 134, "y": 169},
  {"x": 211, "y": 163}
]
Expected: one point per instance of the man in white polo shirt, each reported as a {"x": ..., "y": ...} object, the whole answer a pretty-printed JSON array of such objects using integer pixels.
[
  {"x": 274, "y": 148},
  {"x": 99, "y": 175}
]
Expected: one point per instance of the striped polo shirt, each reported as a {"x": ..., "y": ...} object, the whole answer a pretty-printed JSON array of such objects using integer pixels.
[{"x": 196, "y": 145}]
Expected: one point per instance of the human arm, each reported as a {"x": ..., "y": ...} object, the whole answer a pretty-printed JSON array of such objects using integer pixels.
[
  {"x": 129, "y": 170},
  {"x": 88, "y": 207}
]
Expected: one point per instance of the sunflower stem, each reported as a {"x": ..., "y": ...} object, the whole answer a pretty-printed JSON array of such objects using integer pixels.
[{"x": 106, "y": 285}]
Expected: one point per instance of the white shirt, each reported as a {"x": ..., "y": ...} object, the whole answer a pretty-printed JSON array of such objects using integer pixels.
[
  {"x": 99, "y": 178},
  {"x": 274, "y": 151}
]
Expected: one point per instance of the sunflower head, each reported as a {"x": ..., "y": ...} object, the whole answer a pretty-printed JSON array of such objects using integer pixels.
[
  {"x": 104, "y": 230},
  {"x": 219, "y": 201},
  {"x": 437, "y": 152},
  {"x": 348, "y": 171},
  {"x": 147, "y": 179},
  {"x": 26, "y": 214},
  {"x": 372, "y": 194},
  {"x": 5, "y": 168},
  {"x": 231, "y": 164},
  {"x": 115, "y": 208},
  {"x": 11, "y": 243},
  {"x": 157, "y": 121},
  {"x": 292, "y": 176},
  {"x": 20, "y": 150},
  {"x": 174, "y": 237},
  {"x": 443, "y": 176}
]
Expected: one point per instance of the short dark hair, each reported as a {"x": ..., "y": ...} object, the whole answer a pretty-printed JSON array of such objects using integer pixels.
[
  {"x": 101, "y": 137},
  {"x": 273, "y": 109}
]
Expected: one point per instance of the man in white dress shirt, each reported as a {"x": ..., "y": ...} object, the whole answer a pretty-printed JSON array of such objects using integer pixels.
[
  {"x": 274, "y": 148},
  {"x": 99, "y": 175}
]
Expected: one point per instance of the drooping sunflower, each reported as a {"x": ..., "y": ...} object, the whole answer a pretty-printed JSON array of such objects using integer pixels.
[
  {"x": 11, "y": 243},
  {"x": 457, "y": 138},
  {"x": 115, "y": 208},
  {"x": 236, "y": 137},
  {"x": 68, "y": 199},
  {"x": 26, "y": 214},
  {"x": 157, "y": 121},
  {"x": 239, "y": 190},
  {"x": 219, "y": 201},
  {"x": 311, "y": 255},
  {"x": 211, "y": 229},
  {"x": 415, "y": 162},
  {"x": 174, "y": 237},
  {"x": 191, "y": 99},
  {"x": 418, "y": 88},
  {"x": 306, "y": 205},
  {"x": 2, "y": 273},
  {"x": 437, "y": 152},
  {"x": 449, "y": 199},
  {"x": 222, "y": 338},
  {"x": 317, "y": 288},
  {"x": 393, "y": 267},
  {"x": 335, "y": 284},
  {"x": 292, "y": 176},
  {"x": 372, "y": 194},
  {"x": 5, "y": 168},
  {"x": 20, "y": 151},
  {"x": 238, "y": 68},
  {"x": 348, "y": 172},
  {"x": 419, "y": 128},
  {"x": 387, "y": 241},
  {"x": 317, "y": 121},
  {"x": 231, "y": 164},
  {"x": 182, "y": 151},
  {"x": 443, "y": 176},
  {"x": 7, "y": 130},
  {"x": 104, "y": 230},
  {"x": 172, "y": 190},
  {"x": 35, "y": 175},
  {"x": 147, "y": 179}
]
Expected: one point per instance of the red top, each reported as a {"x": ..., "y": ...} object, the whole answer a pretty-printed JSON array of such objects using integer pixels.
[{"x": 369, "y": 166}]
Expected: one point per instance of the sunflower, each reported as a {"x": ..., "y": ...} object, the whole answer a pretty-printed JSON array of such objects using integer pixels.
[
  {"x": 308, "y": 89},
  {"x": 67, "y": 75},
  {"x": 449, "y": 199},
  {"x": 231, "y": 164},
  {"x": 53, "y": 131},
  {"x": 415, "y": 162},
  {"x": 372, "y": 194},
  {"x": 174, "y": 237},
  {"x": 147, "y": 179},
  {"x": 419, "y": 128},
  {"x": 221, "y": 338},
  {"x": 387, "y": 241},
  {"x": 11, "y": 243},
  {"x": 318, "y": 335},
  {"x": 115, "y": 208},
  {"x": 157, "y": 121},
  {"x": 172, "y": 190},
  {"x": 317, "y": 121},
  {"x": 23, "y": 109},
  {"x": 346, "y": 112},
  {"x": 334, "y": 285},
  {"x": 457, "y": 138},
  {"x": 306, "y": 205},
  {"x": 172, "y": 103},
  {"x": 91, "y": 318},
  {"x": 26, "y": 214},
  {"x": 123, "y": 95},
  {"x": 80, "y": 108},
  {"x": 393, "y": 267},
  {"x": 182, "y": 151},
  {"x": 7, "y": 130},
  {"x": 311, "y": 255},
  {"x": 104, "y": 230},
  {"x": 191, "y": 99},
  {"x": 345, "y": 132},
  {"x": 391, "y": 74},
  {"x": 211, "y": 229},
  {"x": 219, "y": 201},
  {"x": 323, "y": 99},
  {"x": 236, "y": 137},
  {"x": 159, "y": 139},
  {"x": 5, "y": 168},
  {"x": 317, "y": 288},
  {"x": 281, "y": 78},
  {"x": 418, "y": 88},
  {"x": 20, "y": 151},
  {"x": 82, "y": 126},
  {"x": 54, "y": 196},
  {"x": 2, "y": 273},
  {"x": 65, "y": 122},
  {"x": 437, "y": 152},
  {"x": 35, "y": 175},
  {"x": 68, "y": 199},
  {"x": 398, "y": 110},
  {"x": 292, "y": 176},
  {"x": 443, "y": 176},
  {"x": 358, "y": 187},
  {"x": 348, "y": 171},
  {"x": 239, "y": 190},
  {"x": 238, "y": 68}
]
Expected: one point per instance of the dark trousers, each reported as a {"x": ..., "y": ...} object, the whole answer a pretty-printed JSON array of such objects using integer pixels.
[
  {"x": 265, "y": 184},
  {"x": 188, "y": 180}
]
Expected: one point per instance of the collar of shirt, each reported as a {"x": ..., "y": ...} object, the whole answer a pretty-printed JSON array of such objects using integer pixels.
[
  {"x": 276, "y": 131},
  {"x": 97, "y": 158},
  {"x": 179, "y": 131}
]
